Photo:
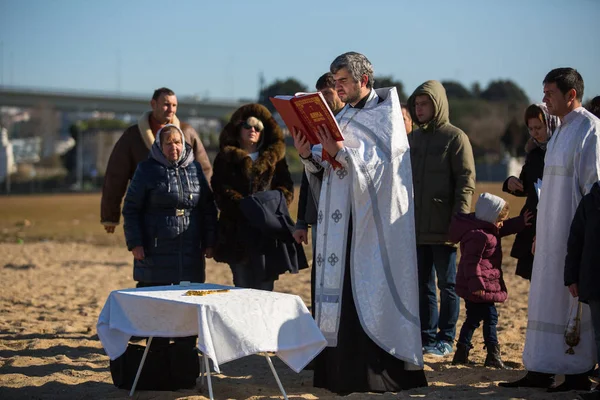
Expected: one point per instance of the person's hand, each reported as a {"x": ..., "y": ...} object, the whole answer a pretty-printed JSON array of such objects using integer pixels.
[
  {"x": 109, "y": 228},
  {"x": 479, "y": 293},
  {"x": 515, "y": 184},
  {"x": 138, "y": 253},
  {"x": 301, "y": 236},
  {"x": 527, "y": 217},
  {"x": 209, "y": 252},
  {"x": 573, "y": 289},
  {"x": 301, "y": 143},
  {"x": 533, "y": 246},
  {"x": 330, "y": 145}
]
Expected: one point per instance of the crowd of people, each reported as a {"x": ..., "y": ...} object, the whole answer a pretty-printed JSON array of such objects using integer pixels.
[{"x": 403, "y": 174}]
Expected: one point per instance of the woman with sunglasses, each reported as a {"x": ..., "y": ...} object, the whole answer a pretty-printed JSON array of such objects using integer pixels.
[{"x": 251, "y": 159}]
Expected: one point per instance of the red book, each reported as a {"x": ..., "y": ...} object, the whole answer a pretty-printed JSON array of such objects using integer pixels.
[{"x": 306, "y": 112}]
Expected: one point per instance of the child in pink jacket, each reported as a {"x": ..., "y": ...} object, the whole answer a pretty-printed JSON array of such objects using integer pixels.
[{"x": 479, "y": 278}]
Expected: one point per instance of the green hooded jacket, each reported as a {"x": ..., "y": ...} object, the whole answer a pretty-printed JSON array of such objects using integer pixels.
[{"x": 443, "y": 168}]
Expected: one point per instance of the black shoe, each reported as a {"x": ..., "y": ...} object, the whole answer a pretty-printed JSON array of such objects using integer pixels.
[
  {"x": 493, "y": 359},
  {"x": 461, "y": 356},
  {"x": 573, "y": 382},
  {"x": 531, "y": 379}
]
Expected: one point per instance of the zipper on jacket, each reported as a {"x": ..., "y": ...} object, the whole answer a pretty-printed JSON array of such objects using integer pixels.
[
  {"x": 155, "y": 242},
  {"x": 180, "y": 222}
]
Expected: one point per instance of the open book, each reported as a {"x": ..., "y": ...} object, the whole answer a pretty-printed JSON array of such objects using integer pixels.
[{"x": 306, "y": 112}]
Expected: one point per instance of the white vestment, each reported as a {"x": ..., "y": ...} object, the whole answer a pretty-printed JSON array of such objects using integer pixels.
[
  {"x": 572, "y": 166},
  {"x": 374, "y": 188}
]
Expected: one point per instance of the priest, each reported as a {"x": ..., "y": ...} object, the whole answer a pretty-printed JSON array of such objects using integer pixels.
[{"x": 366, "y": 300}]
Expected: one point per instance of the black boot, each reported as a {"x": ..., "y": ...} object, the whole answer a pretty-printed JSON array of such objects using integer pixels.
[
  {"x": 461, "y": 356},
  {"x": 531, "y": 379},
  {"x": 573, "y": 382},
  {"x": 493, "y": 359}
]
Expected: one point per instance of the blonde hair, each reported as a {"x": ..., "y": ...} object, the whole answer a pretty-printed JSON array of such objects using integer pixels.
[
  {"x": 255, "y": 122},
  {"x": 503, "y": 214}
]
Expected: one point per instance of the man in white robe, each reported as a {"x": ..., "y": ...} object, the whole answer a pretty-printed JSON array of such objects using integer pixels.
[
  {"x": 366, "y": 271},
  {"x": 572, "y": 166}
]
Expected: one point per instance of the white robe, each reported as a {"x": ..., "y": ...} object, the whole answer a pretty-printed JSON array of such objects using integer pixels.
[
  {"x": 572, "y": 166},
  {"x": 374, "y": 187}
]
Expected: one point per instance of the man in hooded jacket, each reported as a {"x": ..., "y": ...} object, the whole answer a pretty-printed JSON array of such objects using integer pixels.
[{"x": 444, "y": 181}]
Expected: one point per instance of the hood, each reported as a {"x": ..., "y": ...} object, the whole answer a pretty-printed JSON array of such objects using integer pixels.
[
  {"x": 435, "y": 90},
  {"x": 271, "y": 136},
  {"x": 464, "y": 223},
  {"x": 186, "y": 157},
  {"x": 488, "y": 207}
]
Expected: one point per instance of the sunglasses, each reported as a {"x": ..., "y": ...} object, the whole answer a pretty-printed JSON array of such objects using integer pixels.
[{"x": 246, "y": 125}]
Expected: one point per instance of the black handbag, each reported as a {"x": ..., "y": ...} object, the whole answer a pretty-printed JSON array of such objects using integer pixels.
[{"x": 167, "y": 367}]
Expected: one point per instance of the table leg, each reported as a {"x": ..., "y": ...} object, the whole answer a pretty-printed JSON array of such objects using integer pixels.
[
  {"x": 139, "y": 371},
  {"x": 276, "y": 376},
  {"x": 202, "y": 371},
  {"x": 207, "y": 368}
]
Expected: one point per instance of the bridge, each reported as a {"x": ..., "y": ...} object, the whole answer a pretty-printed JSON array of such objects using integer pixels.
[{"x": 72, "y": 101}]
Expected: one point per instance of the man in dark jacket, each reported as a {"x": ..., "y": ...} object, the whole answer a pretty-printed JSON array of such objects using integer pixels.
[
  {"x": 582, "y": 264},
  {"x": 444, "y": 181},
  {"x": 133, "y": 147}
]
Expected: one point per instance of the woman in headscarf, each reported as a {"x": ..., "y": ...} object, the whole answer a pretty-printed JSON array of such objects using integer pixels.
[
  {"x": 541, "y": 126},
  {"x": 169, "y": 214},
  {"x": 251, "y": 159}
]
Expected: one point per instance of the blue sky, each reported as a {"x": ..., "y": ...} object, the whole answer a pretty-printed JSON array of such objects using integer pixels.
[{"x": 218, "y": 49}]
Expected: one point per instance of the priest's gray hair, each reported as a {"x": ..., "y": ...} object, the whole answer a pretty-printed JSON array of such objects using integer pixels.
[{"x": 357, "y": 64}]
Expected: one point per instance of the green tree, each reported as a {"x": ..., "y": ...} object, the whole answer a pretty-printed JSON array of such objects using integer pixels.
[
  {"x": 476, "y": 89},
  {"x": 504, "y": 90},
  {"x": 455, "y": 90},
  {"x": 290, "y": 86},
  {"x": 388, "y": 81}
]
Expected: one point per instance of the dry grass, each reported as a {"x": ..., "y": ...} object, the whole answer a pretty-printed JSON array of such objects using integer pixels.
[{"x": 76, "y": 217}]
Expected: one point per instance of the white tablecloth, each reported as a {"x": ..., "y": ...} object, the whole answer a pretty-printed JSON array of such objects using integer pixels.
[{"x": 229, "y": 325}]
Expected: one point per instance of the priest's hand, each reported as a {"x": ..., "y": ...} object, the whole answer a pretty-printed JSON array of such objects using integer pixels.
[
  {"x": 574, "y": 290},
  {"x": 301, "y": 236},
  {"x": 479, "y": 293},
  {"x": 138, "y": 253},
  {"x": 301, "y": 143},
  {"x": 330, "y": 145}
]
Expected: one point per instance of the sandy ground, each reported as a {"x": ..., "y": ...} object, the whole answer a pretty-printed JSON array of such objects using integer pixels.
[{"x": 52, "y": 293}]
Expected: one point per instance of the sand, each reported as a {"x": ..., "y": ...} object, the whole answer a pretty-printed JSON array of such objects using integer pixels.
[{"x": 52, "y": 293}]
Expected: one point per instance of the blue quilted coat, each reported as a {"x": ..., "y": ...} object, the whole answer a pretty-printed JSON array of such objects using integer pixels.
[{"x": 169, "y": 210}]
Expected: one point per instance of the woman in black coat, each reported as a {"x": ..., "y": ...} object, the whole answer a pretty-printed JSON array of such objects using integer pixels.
[
  {"x": 541, "y": 125},
  {"x": 169, "y": 214},
  {"x": 251, "y": 159}
]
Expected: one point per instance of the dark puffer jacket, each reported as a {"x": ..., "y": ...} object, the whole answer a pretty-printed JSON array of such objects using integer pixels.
[
  {"x": 583, "y": 248},
  {"x": 170, "y": 211},
  {"x": 235, "y": 176},
  {"x": 480, "y": 266}
]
